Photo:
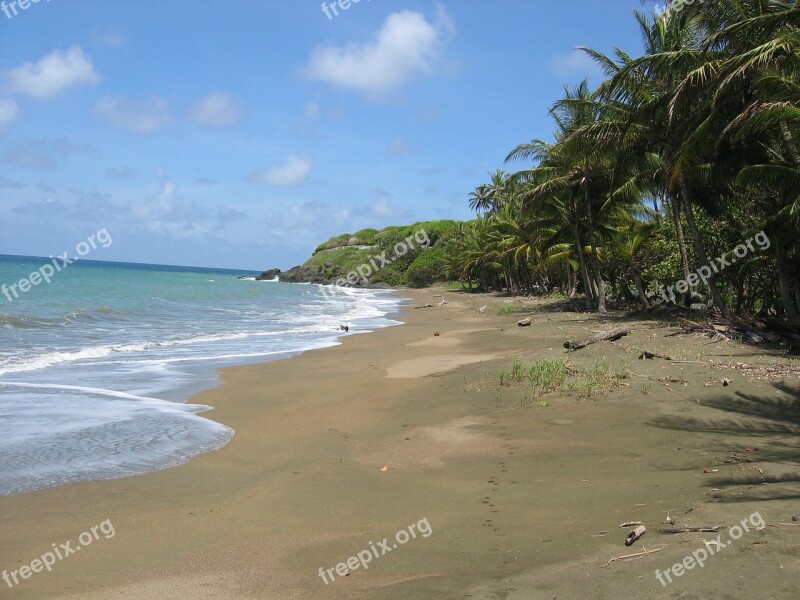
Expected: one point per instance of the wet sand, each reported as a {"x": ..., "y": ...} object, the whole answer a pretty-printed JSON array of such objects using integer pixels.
[{"x": 524, "y": 495}]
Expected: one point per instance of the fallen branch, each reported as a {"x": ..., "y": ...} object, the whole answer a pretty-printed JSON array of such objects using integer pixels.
[
  {"x": 636, "y": 555},
  {"x": 688, "y": 529},
  {"x": 426, "y": 306},
  {"x": 611, "y": 336}
]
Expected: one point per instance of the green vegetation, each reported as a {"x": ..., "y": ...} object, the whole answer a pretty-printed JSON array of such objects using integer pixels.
[
  {"x": 681, "y": 155},
  {"x": 505, "y": 309},
  {"x": 547, "y": 375},
  {"x": 419, "y": 267}
]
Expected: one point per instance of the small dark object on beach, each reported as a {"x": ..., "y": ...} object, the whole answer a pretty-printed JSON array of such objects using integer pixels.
[
  {"x": 526, "y": 322},
  {"x": 651, "y": 355},
  {"x": 794, "y": 517},
  {"x": 436, "y": 333},
  {"x": 344, "y": 327},
  {"x": 726, "y": 382},
  {"x": 635, "y": 535}
]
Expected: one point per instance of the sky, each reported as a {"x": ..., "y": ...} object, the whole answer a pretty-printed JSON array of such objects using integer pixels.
[{"x": 241, "y": 134}]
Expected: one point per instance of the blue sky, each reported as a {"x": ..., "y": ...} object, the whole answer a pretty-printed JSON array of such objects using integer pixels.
[{"x": 241, "y": 134}]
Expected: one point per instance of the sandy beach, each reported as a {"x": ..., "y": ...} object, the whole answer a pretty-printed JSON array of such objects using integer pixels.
[{"x": 513, "y": 494}]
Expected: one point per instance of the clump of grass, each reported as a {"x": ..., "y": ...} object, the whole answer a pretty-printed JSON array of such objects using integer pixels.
[
  {"x": 599, "y": 378},
  {"x": 517, "y": 369},
  {"x": 504, "y": 309},
  {"x": 547, "y": 374},
  {"x": 504, "y": 375}
]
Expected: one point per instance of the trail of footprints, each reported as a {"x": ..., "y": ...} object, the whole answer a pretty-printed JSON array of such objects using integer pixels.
[{"x": 489, "y": 525}]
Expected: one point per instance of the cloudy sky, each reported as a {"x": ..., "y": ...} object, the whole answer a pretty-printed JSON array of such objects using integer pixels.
[{"x": 241, "y": 134}]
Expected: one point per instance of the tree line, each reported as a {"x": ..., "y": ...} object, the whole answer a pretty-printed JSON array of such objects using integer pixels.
[{"x": 680, "y": 155}]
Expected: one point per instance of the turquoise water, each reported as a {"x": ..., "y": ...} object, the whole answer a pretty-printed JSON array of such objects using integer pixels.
[{"x": 96, "y": 365}]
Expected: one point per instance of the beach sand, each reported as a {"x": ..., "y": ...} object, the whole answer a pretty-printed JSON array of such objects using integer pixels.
[{"x": 523, "y": 495}]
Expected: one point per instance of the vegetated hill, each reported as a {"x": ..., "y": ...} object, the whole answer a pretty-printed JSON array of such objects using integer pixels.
[{"x": 417, "y": 262}]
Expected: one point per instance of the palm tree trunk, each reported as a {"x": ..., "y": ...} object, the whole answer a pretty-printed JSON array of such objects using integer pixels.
[
  {"x": 601, "y": 284},
  {"x": 637, "y": 279},
  {"x": 587, "y": 287},
  {"x": 676, "y": 217},
  {"x": 786, "y": 293},
  {"x": 572, "y": 281},
  {"x": 700, "y": 247}
]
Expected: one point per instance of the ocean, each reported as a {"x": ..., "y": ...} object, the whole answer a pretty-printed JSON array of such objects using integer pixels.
[{"x": 96, "y": 366}]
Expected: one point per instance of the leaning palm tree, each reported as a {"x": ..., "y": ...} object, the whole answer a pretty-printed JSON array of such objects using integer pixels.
[
  {"x": 638, "y": 95},
  {"x": 547, "y": 191}
]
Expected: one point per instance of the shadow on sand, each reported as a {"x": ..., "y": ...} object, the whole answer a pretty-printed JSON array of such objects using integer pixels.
[{"x": 774, "y": 422}]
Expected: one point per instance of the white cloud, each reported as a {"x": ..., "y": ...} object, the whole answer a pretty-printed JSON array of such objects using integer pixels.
[
  {"x": 306, "y": 218},
  {"x": 53, "y": 74},
  {"x": 138, "y": 116},
  {"x": 406, "y": 45},
  {"x": 382, "y": 209},
  {"x": 8, "y": 112},
  {"x": 217, "y": 110},
  {"x": 575, "y": 63},
  {"x": 294, "y": 172}
]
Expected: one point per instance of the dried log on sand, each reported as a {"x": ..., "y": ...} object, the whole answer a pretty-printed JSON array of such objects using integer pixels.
[{"x": 612, "y": 335}]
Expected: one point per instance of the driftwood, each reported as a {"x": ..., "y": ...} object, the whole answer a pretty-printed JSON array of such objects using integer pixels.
[
  {"x": 612, "y": 335},
  {"x": 755, "y": 331},
  {"x": 688, "y": 529},
  {"x": 647, "y": 354},
  {"x": 526, "y": 322},
  {"x": 636, "y": 555},
  {"x": 630, "y": 523},
  {"x": 635, "y": 535},
  {"x": 426, "y": 306}
]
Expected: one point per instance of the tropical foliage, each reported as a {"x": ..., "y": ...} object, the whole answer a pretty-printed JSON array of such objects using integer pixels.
[{"x": 680, "y": 155}]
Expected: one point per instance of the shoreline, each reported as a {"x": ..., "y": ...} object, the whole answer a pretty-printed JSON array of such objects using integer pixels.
[
  {"x": 128, "y": 444},
  {"x": 516, "y": 493}
]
